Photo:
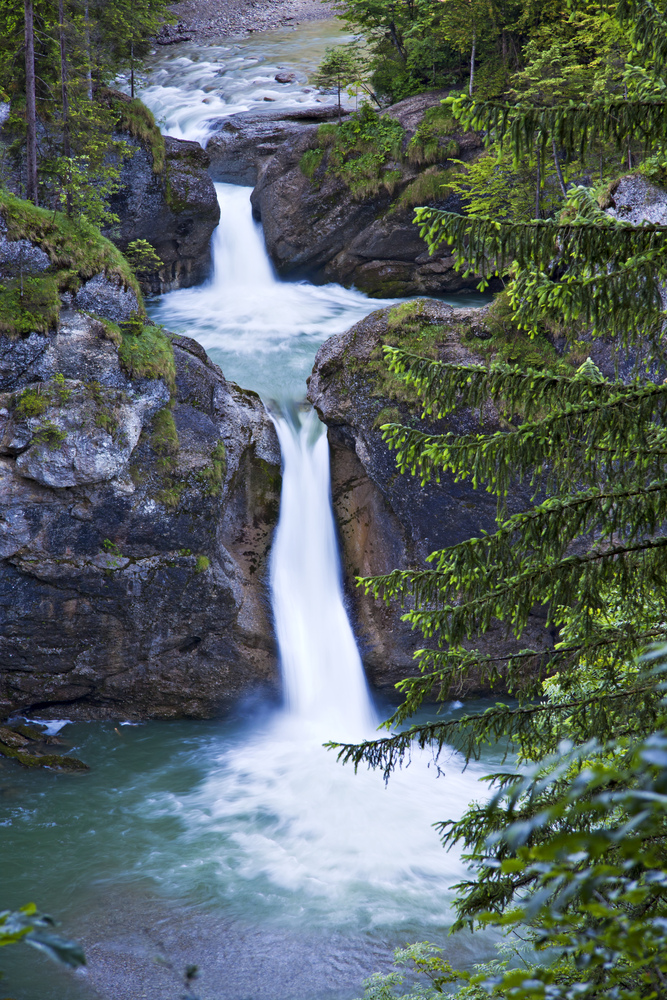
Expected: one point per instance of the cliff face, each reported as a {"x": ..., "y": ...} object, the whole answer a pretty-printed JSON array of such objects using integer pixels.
[
  {"x": 136, "y": 515},
  {"x": 387, "y": 520},
  {"x": 175, "y": 209}
]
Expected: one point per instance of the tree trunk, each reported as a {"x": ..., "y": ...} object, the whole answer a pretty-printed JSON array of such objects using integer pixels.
[
  {"x": 472, "y": 61},
  {"x": 132, "y": 70},
  {"x": 32, "y": 189},
  {"x": 67, "y": 149},
  {"x": 89, "y": 69},
  {"x": 538, "y": 187},
  {"x": 559, "y": 172}
]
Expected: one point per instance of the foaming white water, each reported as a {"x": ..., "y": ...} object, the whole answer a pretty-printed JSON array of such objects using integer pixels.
[
  {"x": 323, "y": 677},
  {"x": 282, "y": 832},
  {"x": 262, "y": 331}
]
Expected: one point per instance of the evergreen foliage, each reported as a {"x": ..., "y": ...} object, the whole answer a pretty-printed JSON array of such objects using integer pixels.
[{"x": 571, "y": 847}]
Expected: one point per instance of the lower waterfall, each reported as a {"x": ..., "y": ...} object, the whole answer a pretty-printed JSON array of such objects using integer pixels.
[{"x": 323, "y": 676}]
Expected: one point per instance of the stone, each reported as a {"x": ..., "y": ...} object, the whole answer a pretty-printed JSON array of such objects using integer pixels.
[
  {"x": 105, "y": 298},
  {"x": 386, "y": 520},
  {"x": 105, "y": 609},
  {"x": 240, "y": 144},
  {"x": 176, "y": 211},
  {"x": 320, "y": 231},
  {"x": 285, "y": 77}
]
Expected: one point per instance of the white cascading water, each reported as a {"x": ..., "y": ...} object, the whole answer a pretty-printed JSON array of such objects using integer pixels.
[
  {"x": 323, "y": 676},
  {"x": 263, "y": 332}
]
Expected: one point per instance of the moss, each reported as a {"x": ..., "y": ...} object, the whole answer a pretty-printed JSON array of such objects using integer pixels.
[
  {"x": 111, "y": 330},
  {"x": 202, "y": 564},
  {"x": 149, "y": 355},
  {"x": 50, "y": 435},
  {"x": 31, "y": 403},
  {"x": 134, "y": 117},
  {"x": 77, "y": 250},
  {"x": 164, "y": 436},
  {"x": 310, "y": 162},
  {"x": 364, "y": 152},
  {"x": 213, "y": 475},
  {"x": 51, "y": 760},
  {"x": 387, "y": 415}
]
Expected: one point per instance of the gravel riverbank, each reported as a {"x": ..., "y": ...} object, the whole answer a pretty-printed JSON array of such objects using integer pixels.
[{"x": 205, "y": 20}]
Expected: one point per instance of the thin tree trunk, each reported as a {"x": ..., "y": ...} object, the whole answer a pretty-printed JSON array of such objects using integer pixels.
[
  {"x": 32, "y": 190},
  {"x": 89, "y": 70},
  {"x": 559, "y": 172},
  {"x": 472, "y": 61},
  {"x": 67, "y": 148},
  {"x": 339, "y": 107},
  {"x": 538, "y": 187},
  {"x": 132, "y": 70}
]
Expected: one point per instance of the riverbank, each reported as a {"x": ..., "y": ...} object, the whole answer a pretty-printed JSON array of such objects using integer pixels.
[{"x": 204, "y": 20}]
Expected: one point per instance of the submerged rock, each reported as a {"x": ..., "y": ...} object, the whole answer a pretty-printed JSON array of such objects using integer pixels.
[
  {"x": 387, "y": 520},
  {"x": 136, "y": 512},
  {"x": 24, "y": 744}
]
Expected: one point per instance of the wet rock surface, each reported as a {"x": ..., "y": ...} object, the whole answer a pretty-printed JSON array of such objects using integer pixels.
[
  {"x": 317, "y": 228},
  {"x": 387, "y": 520},
  {"x": 134, "y": 531},
  {"x": 176, "y": 210}
]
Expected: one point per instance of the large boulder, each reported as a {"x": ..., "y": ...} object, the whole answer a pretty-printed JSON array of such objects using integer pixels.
[
  {"x": 387, "y": 520},
  {"x": 136, "y": 516},
  {"x": 175, "y": 208},
  {"x": 240, "y": 144},
  {"x": 315, "y": 226}
]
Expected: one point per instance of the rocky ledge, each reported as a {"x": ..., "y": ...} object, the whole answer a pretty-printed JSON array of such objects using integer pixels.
[
  {"x": 316, "y": 226},
  {"x": 387, "y": 520},
  {"x": 138, "y": 493}
]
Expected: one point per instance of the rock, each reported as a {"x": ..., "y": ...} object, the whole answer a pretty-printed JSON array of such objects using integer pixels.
[
  {"x": 320, "y": 230},
  {"x": 634, "y": 199},
  {"x": 176, "y": 210},
  {"x": 387, "y": 520},
  {"x": 134, "y": 552},
  {"x": 106, "y": 298},
  {"x": 241, "y": 143},
  {"x": 285, "y": 77}
]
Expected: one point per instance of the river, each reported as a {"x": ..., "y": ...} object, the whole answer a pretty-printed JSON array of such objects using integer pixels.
[{"x": 240, "y": 845}]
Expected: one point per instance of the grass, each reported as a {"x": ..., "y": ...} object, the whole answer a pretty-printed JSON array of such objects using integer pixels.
[
  {"x": 77, "y": 251},
  {"x": 164, "y": 436},
  {"x": 427, "y": 144},
  {"x": 149, "y": 355},
  {"x": 428, "y": 188},
  {"x": 213, "y": 475},
  {"x": 137, "y": 119}
]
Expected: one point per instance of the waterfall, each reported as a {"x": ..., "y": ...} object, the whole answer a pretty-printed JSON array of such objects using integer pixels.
[{"x": 323, "y": 676}]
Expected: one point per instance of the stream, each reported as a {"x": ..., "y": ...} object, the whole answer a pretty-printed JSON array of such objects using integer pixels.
[{"x": 241, "y": 845}]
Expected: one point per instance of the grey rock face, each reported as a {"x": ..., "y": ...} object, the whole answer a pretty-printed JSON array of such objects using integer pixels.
[
  {"x": 240, "y": 144},
  {"x": 636, "y": 200},
  {"x": 103, "y": 297},
  {"x": 176, "y": 211},
  {"x": 386, "y": 520},
  {"x": 18, "y": 256},
  {"x": 132, "y": 567},
  {"x": 321, "y": 231}
]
